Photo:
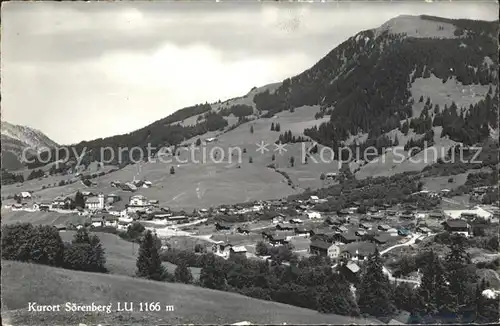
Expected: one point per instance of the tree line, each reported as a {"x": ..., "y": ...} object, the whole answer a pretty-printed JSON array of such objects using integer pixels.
[{"x": 42, "y": 244}]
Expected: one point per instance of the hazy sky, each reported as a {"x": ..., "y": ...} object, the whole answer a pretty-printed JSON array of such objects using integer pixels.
[{"x": 79, "y": 71}]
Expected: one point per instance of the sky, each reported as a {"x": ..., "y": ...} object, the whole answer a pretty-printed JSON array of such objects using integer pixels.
[{"x": 84, "y": 70}]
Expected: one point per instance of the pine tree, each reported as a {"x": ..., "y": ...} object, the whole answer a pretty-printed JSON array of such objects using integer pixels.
[
  {"x": 459, "y": 275},
  {"x": 273, "y": 157},
  {"x": 435, "y": 300},
  {"x": 374, "y": 295},
  {"x": 79, "y": 199},
  {"x": 292, "y": 161},
  {"x": 272, "y": 126},
  {"x": 183, "y": 274},
  {"x": 250, "y": 160},
  {"x": 251, "y": 129},
  {"x": 198, "y": 142},
  {"x": 172, "y": 170},
  {"x": 277, "y": 127},
  {"x": 212, "y": 275},
  {"x": 148, "y": 262}
]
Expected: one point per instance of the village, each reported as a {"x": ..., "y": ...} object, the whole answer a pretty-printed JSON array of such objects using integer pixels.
[{"x": 348, "y": 235}]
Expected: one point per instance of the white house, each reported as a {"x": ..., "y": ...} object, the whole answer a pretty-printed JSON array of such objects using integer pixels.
[
  {"x": 25, "y": 195},
  {"x": 97, "y": 222},
  {"x": 138, "y": 200},
  {"x": 313, "y": 214},
  {"x": 123, "y": 225},
  {"x": 95, "y": 202},
  {"x": 322, "y": 248}
]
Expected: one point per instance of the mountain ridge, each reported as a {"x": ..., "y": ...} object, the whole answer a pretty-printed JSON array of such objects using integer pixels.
[{"x": 364, "y": 85}]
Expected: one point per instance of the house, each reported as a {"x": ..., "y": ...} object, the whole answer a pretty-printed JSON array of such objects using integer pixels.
[
  {"x": 178, "y": 219},
  {"x": 128, "y": 186},
  {"x": 95, "y": 203},
  {"x": 423, "y": 230},
  {"x": 60, "y": 227},
  {"x": 384, "y": 227},
  {"x": 296, "y": 221},
  {"x": 123, "y": 225},
  {"x": 372, "y": 210},
  {"x": 137, "y": 200},
  {"x": 97, "y": 221},
  {"x": 110, "y": 220},
  {"x": 160, "y": 214},
  {"x": 403, "y": 232},
  {"x": 303, "y": 232},
  {"x": 243, "y": 230},
  {"x": 347, "y": 237},
  {"x": 343, "y": 212},
  {"x": 331, "y": 176},
  {"x": 112, "y": 198},
  {"x": 361, "y": 233},
  {"x": 280, "y": 238},
  {"x": 351, "y": 270},
  {"x": 154, "y": 203},
  {"x": 239, "y": 251},
  {"x": 357, "y": 250},
  {"x": 323, "y": 248},
  {"x": 36, "y": 206},
  {"x": 313, "y": 199},
  {"x": 313, "y": 215},
  {"x": 381, "y": 238},
  {"x": 222, "y": 226},
  {"x": 365, "y": 226},
  {"x": 277, "y": 219},
  {"x": 23, "y": 195},
  {"x": 340, "y": 229},
  {"x": 457, "y": 226},
  {"x": 61, "y": 202},
  {"x": 436, "y": 215},
  {"x": 284, "y": 227},
  {"x": 402, "y": 318},
  {"x": 45, "y": 206},
  {"x": 147, "y": 184}
]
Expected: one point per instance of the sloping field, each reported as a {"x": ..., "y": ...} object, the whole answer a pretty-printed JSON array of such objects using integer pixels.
[
  {"x": 121, "y": 255},
  {"x": 38, "y": 217},
  {"x": 24, "y": 283}
]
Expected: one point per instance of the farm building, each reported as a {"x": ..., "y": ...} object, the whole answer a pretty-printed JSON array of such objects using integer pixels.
[{"x": 323, "y": 248}]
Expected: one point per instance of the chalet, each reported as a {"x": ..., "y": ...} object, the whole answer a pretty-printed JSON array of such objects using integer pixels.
[
  {"x": 365, "y": 226},
  {"x": 390, "y": 212},
  {"x": 436, "y": 215},
  {"x": 147, "y": 184},
  {"x": 266, "y": 234},
  {"x": 284, "y": 227},
  {"x": 160, "y": 214},
  {"x": 340, "y": 229},
  {"x": 384, "y": 227},
  {"x": 301, "y": 231},
  {"x": 239, "y": 251},
  {"x": 407, "y": 216},
  {"x": 97, "y": 221},
  {"x": 61, "y": 202},
  {"x": 372, "y": 210},
  {"x": 313, "y": 215},
  {"x": 381, "y": 238},
  {"x": 280, "y": 238},
  {"x": 123, "y": 225},
  {"x": 95, "y": 202},
  {"x": 137, "y": 200},
  {"x": 110, "y": 220},
  {"x": 361, "y": 233},
  {"x": 340, "y": 220},
  {"x": 178, "y": 219},
  {"x": 243, "y": 230},
  {"x": 343, "y": 212},
  {"x": 351, "y": 271},
  {"x": 60, "y": 227},
  {"x": 322, "y": 248},
  {"x": 36, "y": 206},
  {"x": 423, "y": 230},
  {"x": 313, "y": 199},
  {"x": 331, "y": 176},
  {"x": 45, "y": 206},
  {"x": 357, "y": 251},
  {"x": 222, "y": 226},
  {"x": 16, "y": 206},
  {"x": 112, "y": 198},
  {"x": 296, "y": 221},
  {"x": 403, "y": 232},
  {"x": 128, "y": 186},
  {"x": 277, "y": 219},
  {"x": 457, "y": 226},
  {"x": 347, "y": 237},
  {"x": 23, "y": 195}
]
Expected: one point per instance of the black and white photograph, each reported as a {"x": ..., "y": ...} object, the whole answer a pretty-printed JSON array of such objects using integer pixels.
[{"x": 249, "y": 162}]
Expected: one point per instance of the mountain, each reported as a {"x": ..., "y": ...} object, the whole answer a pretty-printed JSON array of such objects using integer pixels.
[
  {"x": 414, "y": 79},
  {"x": 16, "y": 138}
]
